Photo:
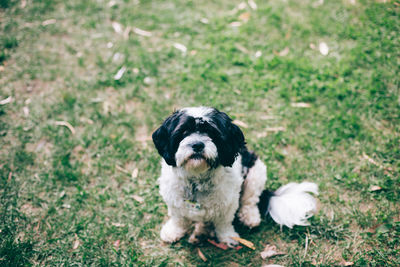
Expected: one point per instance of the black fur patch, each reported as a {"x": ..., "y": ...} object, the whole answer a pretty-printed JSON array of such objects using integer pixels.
[
  {"x": 264, "y": 202},
  {"x": 248, "y": 160}
]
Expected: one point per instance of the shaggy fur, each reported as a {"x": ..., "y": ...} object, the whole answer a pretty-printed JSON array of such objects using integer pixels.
[{"x": 208, "y": 176}]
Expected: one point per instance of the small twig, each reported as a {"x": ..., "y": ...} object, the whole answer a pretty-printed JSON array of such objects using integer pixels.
[
  {"x": 306, "y": 247},
  {"x": 66, "y": 124}
]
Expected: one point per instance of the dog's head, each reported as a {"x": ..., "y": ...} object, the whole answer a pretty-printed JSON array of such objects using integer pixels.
[{"x": 198, "y": 139}]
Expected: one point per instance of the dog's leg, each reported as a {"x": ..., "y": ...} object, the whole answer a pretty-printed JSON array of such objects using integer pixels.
[
  {"x": 174, "y": 229},
  {"x": 200, "y": 230},
  {"x": 223, "y": 225},
  {"x": 253, "y": 186},
  {"x": 225, "y": 232}
]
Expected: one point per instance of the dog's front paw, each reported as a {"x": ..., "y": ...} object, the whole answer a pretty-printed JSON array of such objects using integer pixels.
[
  {"x": 227, "y": 238},
  {"x": 172, "y": 232}
]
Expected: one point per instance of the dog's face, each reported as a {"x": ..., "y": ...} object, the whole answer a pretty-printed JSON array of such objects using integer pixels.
[{"x": 198, "y": 139}]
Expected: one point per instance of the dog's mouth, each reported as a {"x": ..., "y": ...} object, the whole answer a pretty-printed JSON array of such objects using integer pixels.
[{"x": 197, "y": 156}]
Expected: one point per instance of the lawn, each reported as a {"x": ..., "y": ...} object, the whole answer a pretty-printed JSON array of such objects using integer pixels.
[{"x": 313, "y": 84}]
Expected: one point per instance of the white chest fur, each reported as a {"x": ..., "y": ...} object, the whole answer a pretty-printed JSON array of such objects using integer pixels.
[{"x": 204, "y": 198}]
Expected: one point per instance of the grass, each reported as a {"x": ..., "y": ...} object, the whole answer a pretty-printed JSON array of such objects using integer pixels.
[{"x": 71, "y": 199}]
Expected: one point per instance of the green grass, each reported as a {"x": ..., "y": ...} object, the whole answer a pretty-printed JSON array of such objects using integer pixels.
[{"x": 70, "y": 199}]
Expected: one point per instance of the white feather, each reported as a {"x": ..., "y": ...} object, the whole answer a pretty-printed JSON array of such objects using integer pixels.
[{"x": 292, "y": 204}]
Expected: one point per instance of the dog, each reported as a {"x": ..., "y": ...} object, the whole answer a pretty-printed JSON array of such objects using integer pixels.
[{"x": 209, "y": 177}]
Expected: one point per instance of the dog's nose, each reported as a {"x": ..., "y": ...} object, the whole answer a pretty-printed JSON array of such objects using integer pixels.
[{"x": 198, "y": 146}]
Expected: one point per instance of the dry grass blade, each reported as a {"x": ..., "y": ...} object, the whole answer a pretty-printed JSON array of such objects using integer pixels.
[
  {"x": 244, "y": 242},
  {"x": 252, "y": 4},
  {"x": 142, "y": 32},
  {"x": 240, "y": 123},
  {"x": 201, "y": 255},
  {"x": 275, "y": 129},
  {"x": 122, "y": 169},
  {"x": 49, "y": 22},
  {"x": 300, "y": 105},
  {"x": 66, "y": 124},
  {"x": 180, "y": 47},
  {"x": 282, "y": 53},
  {"x": 6, "y": 101},
  {"x": 138, "y": 198},
  {"x": 120, "y": 73}
]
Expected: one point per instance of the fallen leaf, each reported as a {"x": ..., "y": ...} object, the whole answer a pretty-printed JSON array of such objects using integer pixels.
[
  {"x": 245, "y": 242},
  {"x": 252, "y": 4},
  {"x": 135, "y": 173},
  {"x": 118, "y": 224},
  {"x": 240, "y": 123},
  {"x": 282, "y": 53},
  {"x": 370, "y": 160},
  {"x": 323, "y": 48},
  {"x": 204, "y": 20},
  {"x": 148, "y": 80},
  {"x": 66, "y": 124},
  {"x": 6, "y": 101},
  {"x": 300, "y": 105},
  {"x": 193, "y": 52},
  {"x": 180, "y": 47},
  {"x": 142, "y": 32},
  {"x": 120, "y": 73},
  {"x": 218, "y": 245},
  {"x": 201, "y": 255},
  {"x": 235, "y": 24},
  {"x": 374, "y": 188},
  {"x": 312, "y": 46},
  {"x": 23, "y": 4},
  {"x": 76, "y": 244},
  {"x": 117, "y": 27},
  {"x": 116, "y": 244},
  {"x": 241, "y": 6},
  {"x": 346, "y": 263},
  {"x": 111, "y": 3},
  {"x": 245, "y": 16},
  {"x": 138, "y": 198},
  {"x": 318, "y": 3},
  {"x": 2, "y": 68},
  {"x": 48, "y": 22}
]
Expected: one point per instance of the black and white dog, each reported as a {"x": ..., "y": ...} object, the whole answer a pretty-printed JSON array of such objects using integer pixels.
[{"x": 208, "y": 176}]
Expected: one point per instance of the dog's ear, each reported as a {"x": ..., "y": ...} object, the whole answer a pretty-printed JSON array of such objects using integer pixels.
[
  {"x": 232, "y": 139},
  {"x": 163, "y": 140}
]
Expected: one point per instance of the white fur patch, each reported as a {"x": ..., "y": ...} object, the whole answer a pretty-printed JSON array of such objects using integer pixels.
[{"x": 198, "y": 112}]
